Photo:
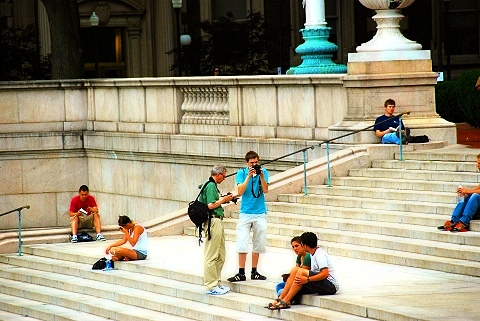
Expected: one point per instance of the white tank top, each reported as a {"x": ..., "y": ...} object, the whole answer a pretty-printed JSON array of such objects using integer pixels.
[{"x": 142, "y": 243}]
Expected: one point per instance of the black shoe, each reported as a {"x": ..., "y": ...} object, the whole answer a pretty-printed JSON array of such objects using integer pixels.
[
  {"x": 258, "y": 276},
  {"x": 237, "y": 277}
]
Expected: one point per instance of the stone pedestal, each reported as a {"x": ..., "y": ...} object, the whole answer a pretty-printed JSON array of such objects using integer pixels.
[{"x": 411, "y": 83}]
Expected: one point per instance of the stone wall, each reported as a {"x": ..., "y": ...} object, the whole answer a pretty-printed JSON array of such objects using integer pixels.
[{"x": 144, "y": 145}]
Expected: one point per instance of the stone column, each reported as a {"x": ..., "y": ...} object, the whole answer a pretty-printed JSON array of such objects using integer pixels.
[
  {"x": 133, "y": 42},
  {"x": 43, "y": 30}
]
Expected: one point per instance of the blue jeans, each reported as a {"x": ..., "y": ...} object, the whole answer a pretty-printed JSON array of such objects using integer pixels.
[
  {"x": 465, "y": 210},
  {"x": 279, "y": 288},
  {"x": 390, "y": 138}
]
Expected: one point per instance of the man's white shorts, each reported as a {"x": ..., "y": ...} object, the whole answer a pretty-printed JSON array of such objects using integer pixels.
[{"x": 257, "y": 223}]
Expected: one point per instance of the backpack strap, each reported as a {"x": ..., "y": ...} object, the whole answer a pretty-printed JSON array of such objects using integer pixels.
[{"x": 200, "y": 229}]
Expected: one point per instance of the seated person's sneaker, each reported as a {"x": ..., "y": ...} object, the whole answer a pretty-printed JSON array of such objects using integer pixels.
[
  {"x": 447, "y": 226},
  {"x": 100, "y": 237},
  {"x": 237, "y": 277},
  {"x": 74, "y": 239},
  {"x": 460, "y": 227},
  {"x": 258, "y": 276}
]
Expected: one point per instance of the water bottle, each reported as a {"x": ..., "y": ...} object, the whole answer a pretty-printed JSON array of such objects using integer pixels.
[
  {"x": 108, "y": 263},
  {"x": 460, "y": 197}
]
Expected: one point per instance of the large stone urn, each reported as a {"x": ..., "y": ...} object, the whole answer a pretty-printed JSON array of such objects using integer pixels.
[{"x": 388, "y": 36}]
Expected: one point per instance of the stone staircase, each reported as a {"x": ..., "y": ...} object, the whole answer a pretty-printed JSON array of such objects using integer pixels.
[
  {"x": 55, "y": 282},
  {"x": 386, "y": 213}
]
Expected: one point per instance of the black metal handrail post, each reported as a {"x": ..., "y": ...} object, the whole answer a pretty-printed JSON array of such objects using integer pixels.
[{"x": 19, "y": 210}]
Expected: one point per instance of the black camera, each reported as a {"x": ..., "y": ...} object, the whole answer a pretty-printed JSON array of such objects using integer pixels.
[
  {"x": 257, "y": 169},
  {"x": 234, "y": 199}
]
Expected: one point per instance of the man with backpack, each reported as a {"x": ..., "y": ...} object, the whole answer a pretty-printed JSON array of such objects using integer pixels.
[{"x": 214, "y": 254}]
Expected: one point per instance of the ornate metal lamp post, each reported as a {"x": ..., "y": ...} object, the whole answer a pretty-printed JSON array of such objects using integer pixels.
[
  {"x": 94, "y": 21},
  {"x": 177, "y": 6},
  {"x": 316, "y": 51}
]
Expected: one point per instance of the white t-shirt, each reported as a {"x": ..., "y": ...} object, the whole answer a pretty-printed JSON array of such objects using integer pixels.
[{"x": 321, "y": 260}]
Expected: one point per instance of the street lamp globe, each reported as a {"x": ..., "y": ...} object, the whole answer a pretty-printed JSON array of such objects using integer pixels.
[
  {"x": 177, "y": 4},
  {"x": 185, "y": 40},
  {"x": 94, "y": 20}
]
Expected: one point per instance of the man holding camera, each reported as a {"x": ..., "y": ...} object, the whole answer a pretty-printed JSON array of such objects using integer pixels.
[
  {"x": 84, "y": 214},
  {"x": 252, "y": 184},
  {"x": 214, "y": 254}
]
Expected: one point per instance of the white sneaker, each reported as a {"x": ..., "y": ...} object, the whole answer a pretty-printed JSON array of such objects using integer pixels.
[
  {"x": 216, "y": 291},
  {"x": 74, "y": 239},
  {"x": 224, "y": 288}
]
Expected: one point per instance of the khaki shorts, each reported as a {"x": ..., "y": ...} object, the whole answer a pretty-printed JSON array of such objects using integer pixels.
[{"x": 84, "y": 221}]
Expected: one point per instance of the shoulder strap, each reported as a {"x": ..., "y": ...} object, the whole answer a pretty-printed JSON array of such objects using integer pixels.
[{"x": 210, "y": 180}]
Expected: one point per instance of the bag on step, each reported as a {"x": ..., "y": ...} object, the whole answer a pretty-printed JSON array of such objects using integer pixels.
[
  {"x": 418, "y": 139},
  {"x": 101, "y": 264},
  {"x": 85, "y": 237}
]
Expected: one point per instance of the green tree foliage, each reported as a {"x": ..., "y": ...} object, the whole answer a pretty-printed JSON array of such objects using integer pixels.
[
  {"x": 468, "y": 98},
  {"x": 20, "y": 58},
  {"x": 237, "y": 47},
  {"x": 458, "y": 101}
]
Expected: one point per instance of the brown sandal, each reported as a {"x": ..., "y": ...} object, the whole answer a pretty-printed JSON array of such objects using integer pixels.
[{"x": 282, "y": 305}]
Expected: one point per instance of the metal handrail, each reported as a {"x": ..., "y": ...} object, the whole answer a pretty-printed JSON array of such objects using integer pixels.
[
  {"x": 327, "y": 142},
  {"x": 19, "y": 210}
]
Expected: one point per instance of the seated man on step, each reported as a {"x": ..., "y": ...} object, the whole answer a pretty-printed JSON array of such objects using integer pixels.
[
  {"x": 386, "y": 126},
  {"x": 321, "y": 279},
  {"x": 466, "y": 210},
  {"x": 84, "y": 214}
]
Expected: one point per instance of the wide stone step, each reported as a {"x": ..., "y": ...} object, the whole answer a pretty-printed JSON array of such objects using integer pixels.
[
  {"x": 15, "y": 304},
  {"x": 442, "y": 154},
  {"x": 356, "y": 245},
  {"x": 36, "y": 310},
  {"x": 401, "y": 184},
  {"x": 128, "y": 287},
  {"x": 468, "y": 167},
  {"x": 124, "y": 302},
  {"x": 369, "y": 203},
  {"x": 419, "y": 239},
  {"x": 411, "y": 218},
  {"x": 416, "y": 175},
  {"x": 387, "y": 192}
]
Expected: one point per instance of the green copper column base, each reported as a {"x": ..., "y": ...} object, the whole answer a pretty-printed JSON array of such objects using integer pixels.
[{"x": 316, "y": 53}]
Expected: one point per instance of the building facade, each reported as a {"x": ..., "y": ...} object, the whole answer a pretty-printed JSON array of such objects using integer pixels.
[{"x": 138, "y": 38}]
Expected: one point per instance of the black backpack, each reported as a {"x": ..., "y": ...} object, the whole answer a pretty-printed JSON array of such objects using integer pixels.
[
  {"x": 418, "y": 139},
  {"x": 199, "y": 213}
]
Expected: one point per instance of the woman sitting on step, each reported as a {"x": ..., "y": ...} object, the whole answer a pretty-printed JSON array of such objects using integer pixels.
[
  {"x": 303, "y": 261},
  {"x": 136, "y": 235}
]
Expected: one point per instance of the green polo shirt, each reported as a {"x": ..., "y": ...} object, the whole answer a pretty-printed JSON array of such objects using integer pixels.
[{"x": 211, "y": 195}]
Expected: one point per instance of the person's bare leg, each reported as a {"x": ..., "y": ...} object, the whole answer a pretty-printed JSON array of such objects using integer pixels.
[
  {"x": 74, "y": 225},
  {"x": 121, "y": 253},
  {"x": 295, "y": 287},
  {"x": 97, "y": 223},
  {"x": 286, "y": 289},
  {"x": 242, "y": 257},
  {"x": 255, "y": 257}
]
